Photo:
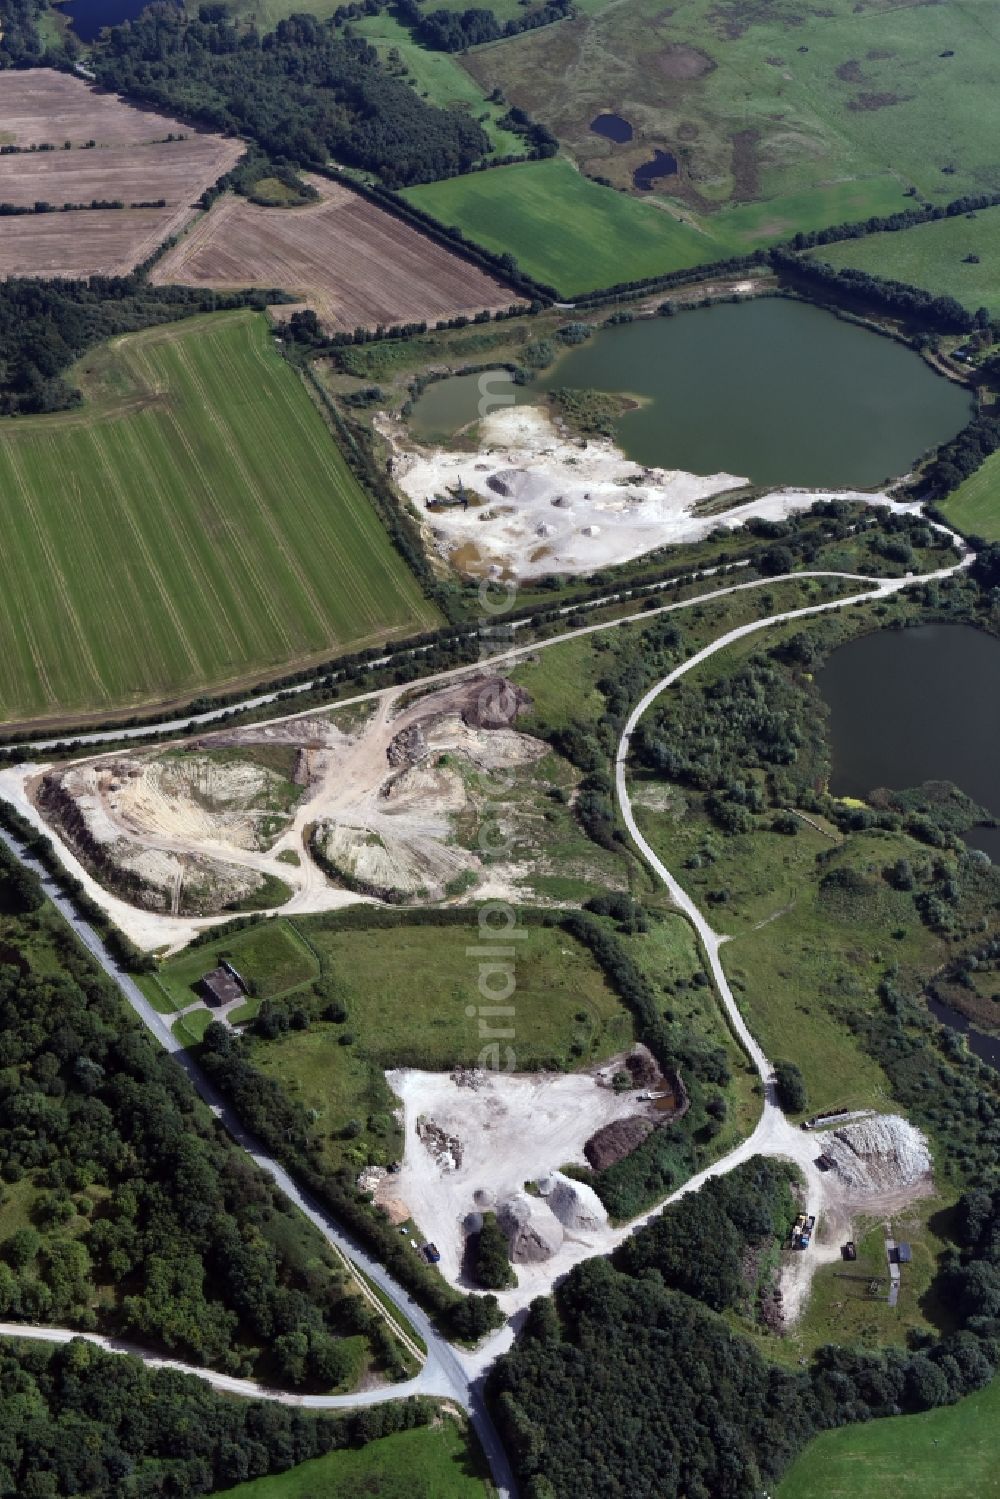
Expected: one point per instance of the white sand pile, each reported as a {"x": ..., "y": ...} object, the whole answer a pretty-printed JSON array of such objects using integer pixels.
[
  {"x": 575, "y": 1204},
  {"x": 567, "y": 505},
  {"x": 534, "y": 1234},
  {"x": 878, "y": 1154}
]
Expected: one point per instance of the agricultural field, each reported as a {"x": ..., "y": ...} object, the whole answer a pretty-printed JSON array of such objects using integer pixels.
[
  {"x": 563, "y": 229},
  {"x": 352, "y": 263},
  {"x": 43, "y": 107},
  {"x": 401, "y": 991},
  {"x": 948, "y": 1453},
  {"x": 975, "y": 505},
  {"x": 191, "y": 525},
  {"x": 954, "y": 257},
  {"x": 429, "y": 1462},
  {"x": 130, "y": 161},
  {"x": 572, "y": 233}
]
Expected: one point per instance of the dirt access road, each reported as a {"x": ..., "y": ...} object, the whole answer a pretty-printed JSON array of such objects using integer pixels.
[{"x": 774, "y": 1135}]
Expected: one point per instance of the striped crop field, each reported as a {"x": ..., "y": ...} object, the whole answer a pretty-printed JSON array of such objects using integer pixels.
[{"x": 192, "y": 525}]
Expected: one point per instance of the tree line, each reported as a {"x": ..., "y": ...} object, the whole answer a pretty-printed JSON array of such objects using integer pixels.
[
  {"x": 306, "y": 92},
  {"x": 455, "y": 30},
  {"x": 46, "y": 325},
  {"x": 942, "y": 313},
  {"x": 891, "y": 223},
  {"x": 76, "y": 1420}
]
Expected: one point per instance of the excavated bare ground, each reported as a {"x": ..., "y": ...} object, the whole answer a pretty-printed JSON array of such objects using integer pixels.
[
  {"x": 158, "y": 831},
  {"x": 377, "y": 813}
]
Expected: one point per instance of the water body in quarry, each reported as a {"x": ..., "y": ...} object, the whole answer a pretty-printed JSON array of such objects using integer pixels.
[
  {"x": 774, "y": 389},
  {"x": 778, "y": 390},
  {"x": 915, "y": 705},
  {"x": 446, "y": 406}
]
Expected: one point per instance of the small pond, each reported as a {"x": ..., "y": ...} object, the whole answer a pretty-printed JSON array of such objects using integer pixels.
[
  {"x": 613, "y": 128},
  {"x": 663, "y": 164},
  {"x": 986, "y": 1048},
  {"x": 908, "y": 706},
  {"x": 446, "y": 406},
  {"x": 88, "y": 17},
  {"x": 774, "y": 389}
]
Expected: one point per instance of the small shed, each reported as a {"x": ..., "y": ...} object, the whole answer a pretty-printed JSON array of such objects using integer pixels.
[
  {"x": 904, "y": 1254},
  {"x": 220, "y": 988}
]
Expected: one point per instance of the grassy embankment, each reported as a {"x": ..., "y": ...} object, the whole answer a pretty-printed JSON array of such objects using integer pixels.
[
  {"x": 439, "y": 77},
  {"x": 191, "y": 525},
  {"x": 975, "y": 505},
  {"x": 430, "y": 1462},
  {"x": 942, "y": 1454},
  {"x": 932, "y": 256}
]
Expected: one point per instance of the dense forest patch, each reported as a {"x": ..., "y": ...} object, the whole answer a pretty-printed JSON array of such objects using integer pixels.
[{"x": 124, "y": 1208}]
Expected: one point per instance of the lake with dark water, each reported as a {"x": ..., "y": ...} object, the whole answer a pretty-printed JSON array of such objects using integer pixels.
[
  {"x": 613, "y": 128},
  {"x": 986, "y": 1048},
  {"x": 446, "y": 406},
  {"x": 774, "y": 389},
  {"x": 916, "y": 705}
]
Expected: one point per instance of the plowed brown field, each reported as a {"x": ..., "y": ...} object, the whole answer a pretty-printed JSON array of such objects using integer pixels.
[
  {"x": 39, "y": 106},
  {"x": 344, "y": 257},
  {"x": 131, "y": 161}
]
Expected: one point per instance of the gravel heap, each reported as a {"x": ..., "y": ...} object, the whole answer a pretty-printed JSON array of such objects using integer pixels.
[
  {"x": 878, "y": 1154},
  {"x": 533, "y": 1233},
  {"x": 575, "y": 1204}
]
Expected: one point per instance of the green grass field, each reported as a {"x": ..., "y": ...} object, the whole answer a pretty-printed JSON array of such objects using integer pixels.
[
  {"x": 950, "y": 1453},
  {"x": 814, "y": 115},
  {"x": 975, "y": 505},
  {"x": 430, "y": 1462},
  {"x": 933, "y": 256},
  {"x": 193, "y": 524},
  {"x": 563, "y": 229},
  {"x": 571, "y": 233},
  {"x": 406, "y": 990},
  {"x": 272, "y": 957}
]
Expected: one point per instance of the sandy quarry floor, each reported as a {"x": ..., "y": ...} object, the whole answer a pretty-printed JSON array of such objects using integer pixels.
[
  {"x": 547, "y": 503},
  {"x": 512, "y": 1128},
  {"x": 515, "y": 1128},
  {"x": 390, "y": 822}
]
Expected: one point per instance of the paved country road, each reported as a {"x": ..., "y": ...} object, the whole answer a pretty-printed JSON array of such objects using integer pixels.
[
  {"x": 442, "y": 1374},
  {"x": 445, "y": 1372}
]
